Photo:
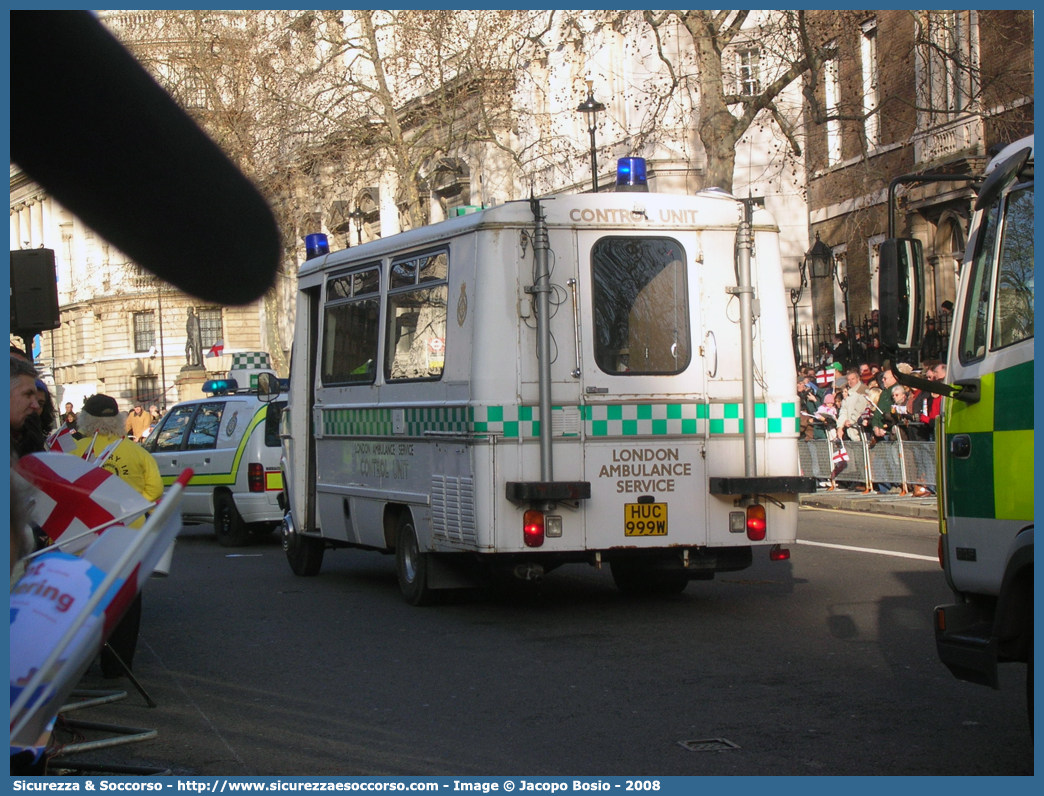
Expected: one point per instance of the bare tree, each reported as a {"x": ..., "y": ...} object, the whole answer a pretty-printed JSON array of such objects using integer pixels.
[
  {"x": 315, "y": 105},
  {"x": 731, "y": 93}
]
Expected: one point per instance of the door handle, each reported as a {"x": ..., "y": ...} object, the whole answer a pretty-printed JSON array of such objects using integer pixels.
[{"x": 960, "y": 446}]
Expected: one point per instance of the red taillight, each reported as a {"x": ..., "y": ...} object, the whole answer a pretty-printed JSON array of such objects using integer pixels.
[
  {"x": 778, "y": 553},
  {"x": 533, "y": 528},
  {"x": 942, "y": 559},
  {"x": 256, "y": 477},
  {"x": 756, "y": 524}
]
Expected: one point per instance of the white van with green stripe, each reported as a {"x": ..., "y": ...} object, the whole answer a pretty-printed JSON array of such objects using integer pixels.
[
  {"x": 985, "y": 439},
  {"x": 565, "y": 380}
]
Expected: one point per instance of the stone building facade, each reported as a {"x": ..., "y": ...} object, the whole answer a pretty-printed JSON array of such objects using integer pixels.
[
  {"x": 911, "y": 92},
  {"x": 122, "y": 333}
]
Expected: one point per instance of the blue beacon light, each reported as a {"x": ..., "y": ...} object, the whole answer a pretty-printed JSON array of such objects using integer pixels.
[
  {"x": 316, "y": 245},
  {"x": 630, "y": 175}
]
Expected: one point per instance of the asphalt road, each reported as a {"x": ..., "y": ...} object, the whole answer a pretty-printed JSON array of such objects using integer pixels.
[{"x": 823, "y": 665}]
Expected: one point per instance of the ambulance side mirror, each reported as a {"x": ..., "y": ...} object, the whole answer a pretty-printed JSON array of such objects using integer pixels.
[
  {"x": 901, "y": 293},
  {"x": 267, "y": 387}
]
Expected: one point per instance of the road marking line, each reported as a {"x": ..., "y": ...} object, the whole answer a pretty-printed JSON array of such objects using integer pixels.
[{"x": 870, "y": 550}]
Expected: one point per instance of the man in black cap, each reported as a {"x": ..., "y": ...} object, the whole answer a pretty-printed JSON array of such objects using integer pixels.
[
  {"x": 101, "y": 423},
  {"x": 102, "y": 426}
]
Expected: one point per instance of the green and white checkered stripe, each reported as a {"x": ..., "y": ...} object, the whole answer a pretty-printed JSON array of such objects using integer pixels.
[
  {"x": 645, "y": 420},
  {"x": 691, "y": 419},
  {"x": 250, "y": 360},
  {"x": 511, "y": 422},
  {"x": 604, "y": 420},
  {"x": 437, "y": 418},
  {"x": 357, "y": 423},
  {"x": 381, "y": 422},
  {"x": 774, "y": 418}
]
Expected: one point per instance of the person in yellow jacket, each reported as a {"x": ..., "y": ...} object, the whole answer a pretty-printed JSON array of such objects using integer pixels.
[{"x": 101, "y": 425}]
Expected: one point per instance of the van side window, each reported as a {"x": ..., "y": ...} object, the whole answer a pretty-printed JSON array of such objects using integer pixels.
[
  {"x": 1013, "y": 304},
  {"x": 980, "y": 288},
  {"x": 417, "y": 298},
  {"x": 205, "y": 427},
  {"x": 641, "y": 312},
  {"x": 351, "y": 327}
]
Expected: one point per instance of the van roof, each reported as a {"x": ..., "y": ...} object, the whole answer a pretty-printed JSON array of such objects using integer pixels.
[{"x": 604, "y": 210}]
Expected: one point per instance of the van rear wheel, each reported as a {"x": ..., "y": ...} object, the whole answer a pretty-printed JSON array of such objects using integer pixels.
[
  {"x": 411, "y": 565},
  {"x": 228, "y": 524}
]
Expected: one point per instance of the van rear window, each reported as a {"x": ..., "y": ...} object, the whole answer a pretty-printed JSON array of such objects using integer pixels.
[{"x": 641, "y": 309}]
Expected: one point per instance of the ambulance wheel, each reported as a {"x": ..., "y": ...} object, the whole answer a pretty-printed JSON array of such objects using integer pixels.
[
  {"x": 636, "y": 580},
  {"x": 411, "y": 565},
  {"x": 304, "y": 553},
  {"x": 228, "y": 524}
]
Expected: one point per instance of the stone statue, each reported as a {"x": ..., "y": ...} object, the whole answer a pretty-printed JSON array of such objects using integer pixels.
[{"x": 193, "y": 340}]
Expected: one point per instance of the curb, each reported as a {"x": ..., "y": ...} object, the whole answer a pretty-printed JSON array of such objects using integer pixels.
[{"x": 894, "y": 505}]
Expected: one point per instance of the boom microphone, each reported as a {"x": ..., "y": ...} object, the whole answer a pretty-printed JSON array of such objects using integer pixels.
[{"x": 92, "y": 127}]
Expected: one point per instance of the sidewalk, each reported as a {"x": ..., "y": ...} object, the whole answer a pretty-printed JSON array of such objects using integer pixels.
[{"x": 900, "y": 506}]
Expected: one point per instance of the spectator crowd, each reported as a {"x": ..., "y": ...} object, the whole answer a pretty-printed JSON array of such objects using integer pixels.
[{"x": 851, "y": 394}]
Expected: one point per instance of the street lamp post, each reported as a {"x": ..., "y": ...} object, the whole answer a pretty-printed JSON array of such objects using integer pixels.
[
  {"x": 821, "y": 264},
  {"x": 357, "y": 215},
  {"x": 795, "y": 298},
  {"x": 590, "y": 108}
]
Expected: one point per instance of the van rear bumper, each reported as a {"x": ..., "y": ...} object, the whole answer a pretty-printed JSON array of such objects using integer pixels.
[{"x": 762, "y": 485}]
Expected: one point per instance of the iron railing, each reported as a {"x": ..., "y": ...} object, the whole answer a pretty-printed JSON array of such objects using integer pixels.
[{"x": 808, "y": 337}]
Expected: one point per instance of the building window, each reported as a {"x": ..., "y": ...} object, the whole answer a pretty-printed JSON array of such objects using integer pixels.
[
  {"x": 144, "y": 331},
  {"x": 840, "y": 253},
  {"x": 874, "y": 253},
  {"x": 749, "y": 71},
  {"x": 832, "y": 97},
  {"x": 146, "y": 390},
  {"x": 210, "y": 328},
  {"x": 948, "y": 59},
  {"x": 871, "y": 84},
  {"x": 193, "y": 90}
]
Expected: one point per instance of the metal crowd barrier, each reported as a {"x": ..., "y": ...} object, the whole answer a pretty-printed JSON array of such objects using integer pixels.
[{"x": 896, "y": 463}]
